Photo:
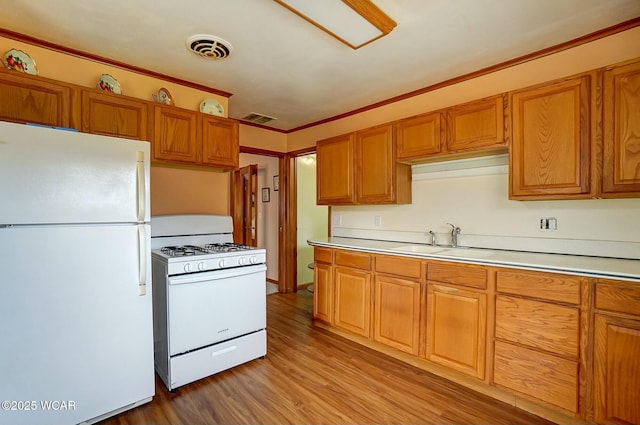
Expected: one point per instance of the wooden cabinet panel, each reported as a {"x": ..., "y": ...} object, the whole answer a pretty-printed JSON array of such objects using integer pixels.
[
  {"x": 358, "y": 260},
  {"x": 622, "y": 297},
  {"x": 114, "y": 115},
  {"x": 546, "y": 326},
  {"x": 375, "y": 165},
  {"x": 175, "y": 135},
  {"x": 34, "y": 100},
  {"x": 220, "y": 143},
  {"x": 617, "y": 370},
  {"x": 543, "y": 376},
  {"x": 476, "y": 125},
  {"x": 456, "y": 329},
  {"x": 458, "y": 274},
  {"x": 335, "y": 170},
  {"x": 352, "y": 300},
  {"x": 621, "y": 128},
  {"x": 324, "y": 255},
  {"x": 418, "y": 137},
  {"x": 323, "y": 292},
  {"x": 548, "y": 286},
  {"x": 550, "y": 154},
  {"x": 397, "y": 313},
  {"x": 401, "y": 266}
]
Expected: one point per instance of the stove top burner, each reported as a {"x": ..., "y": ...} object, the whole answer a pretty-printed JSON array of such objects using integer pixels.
[{"x": 212, "y": 248}]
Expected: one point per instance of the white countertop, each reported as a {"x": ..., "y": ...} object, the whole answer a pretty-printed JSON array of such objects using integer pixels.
[{"x": 613, "y": 268}]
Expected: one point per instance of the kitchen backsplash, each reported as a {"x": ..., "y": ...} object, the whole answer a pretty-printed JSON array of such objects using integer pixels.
[{"x": 476, "y": 200}]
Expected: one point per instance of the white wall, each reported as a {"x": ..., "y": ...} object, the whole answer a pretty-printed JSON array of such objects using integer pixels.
[
  {"x": 479, "y": 205},
  {"x": 267, "y": 211},
  {"x": 312, "y": 218}
]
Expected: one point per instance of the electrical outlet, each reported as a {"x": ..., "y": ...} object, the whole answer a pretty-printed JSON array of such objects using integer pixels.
[
  {"x": 337, "y": 220},
  {"x": 548, "y": 223},
  {"x": 377, "y": 221}
]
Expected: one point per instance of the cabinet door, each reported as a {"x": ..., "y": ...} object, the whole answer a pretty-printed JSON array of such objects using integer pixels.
[
  {"x": 617, "y": 370},
  {"x": 375, "y": 165},
  {"x": 476, "y": 125},
  {"x": 419, "y": 137},
  {"x": 220, "y": 145},
  {"x": 114, "y": 115},
  {"x": 456, "y": 328},
  {"x": 397, "y": 313},
  {"x": 335, "y": 170},
  {"x": 34, "y": 100},
  {"x": 175, "y": 135},
  {"x": 550, "y": 153},
  {"x": 322, "y": 292},
  {"x": 352, "y": 300},
  {"x": 621, "y": 167}
]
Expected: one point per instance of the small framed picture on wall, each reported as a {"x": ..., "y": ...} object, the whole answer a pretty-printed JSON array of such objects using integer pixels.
[
  {"x": 266, "y": 196},
  {"x": 276, "y": 183}
]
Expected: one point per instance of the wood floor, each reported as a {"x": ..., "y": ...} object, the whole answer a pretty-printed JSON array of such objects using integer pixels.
[{"x": 311, "y": 376}]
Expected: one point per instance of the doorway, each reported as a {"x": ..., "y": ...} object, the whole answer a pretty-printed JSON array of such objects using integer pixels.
[{"x": 245, "y": 208}]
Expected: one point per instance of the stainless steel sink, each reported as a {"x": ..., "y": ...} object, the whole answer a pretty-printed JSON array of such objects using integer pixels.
[{"x": 422, "y": 249}]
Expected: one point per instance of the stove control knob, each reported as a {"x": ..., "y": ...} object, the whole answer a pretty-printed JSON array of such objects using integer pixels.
[
  {"x": 187, "y": 267},
  {"x": 253, "y": 259},
  {"x": 242, "y": 261},
  {"x": 201, "y": 265},
  {"x": 221, "y": 263}
]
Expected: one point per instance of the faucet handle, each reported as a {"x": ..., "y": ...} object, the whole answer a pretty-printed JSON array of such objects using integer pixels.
[{"x": 433, "y": 238}]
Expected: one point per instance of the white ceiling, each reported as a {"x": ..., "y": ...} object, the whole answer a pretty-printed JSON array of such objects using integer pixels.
[{"x": 284, "y": 67}]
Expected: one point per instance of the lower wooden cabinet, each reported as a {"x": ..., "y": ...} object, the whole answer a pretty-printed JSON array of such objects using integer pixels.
[
  {"x": 397, "y": 313},
  {"x": 617, "y": 353},
  {"x": 323, "y": 292},
  {"x": 546, "y": 377},
  {"x": 456, "y": 328},
  {"x": 352, "y": 300}
]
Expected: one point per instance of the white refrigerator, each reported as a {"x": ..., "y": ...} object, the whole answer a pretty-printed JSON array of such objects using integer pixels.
[{"x": 76, "y": 331}]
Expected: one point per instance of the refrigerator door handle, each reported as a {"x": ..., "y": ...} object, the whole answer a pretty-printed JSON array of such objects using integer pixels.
[
  {"x": 142, "y": 260},
  {"x": 141, "y": 180}
]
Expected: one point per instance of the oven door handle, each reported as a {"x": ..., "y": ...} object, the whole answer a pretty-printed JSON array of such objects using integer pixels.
[{"x": 217, "y": 274}]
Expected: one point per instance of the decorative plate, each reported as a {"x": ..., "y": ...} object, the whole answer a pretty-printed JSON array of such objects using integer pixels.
[
  {"x": 18, "y": 60},
  {"x": 110, "y": 84},
  {"x": 212, "y": 106},
  {"x": 163, "y": 96}
]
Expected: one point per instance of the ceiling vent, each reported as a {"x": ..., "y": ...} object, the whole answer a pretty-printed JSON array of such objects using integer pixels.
[
  {"x": 258, "y": 118},
  {"x": 209, "y": 46}
]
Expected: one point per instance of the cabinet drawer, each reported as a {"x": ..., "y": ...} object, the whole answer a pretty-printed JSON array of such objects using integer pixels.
[
  {"x": 548, "y": 286},
  {"x": 353, "y": 259},
  {"x": 621, "y": 297},
  {"x": 322, "y": 255},
  {"x": 536, "y": 374},
  {"x": 458, "y": 274},
  {"x": 401, "y": 266},
  {"x": 536, "y": 324}
]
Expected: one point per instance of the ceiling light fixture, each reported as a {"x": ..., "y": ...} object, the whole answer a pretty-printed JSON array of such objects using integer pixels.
[{"x": 354, "y": 22}]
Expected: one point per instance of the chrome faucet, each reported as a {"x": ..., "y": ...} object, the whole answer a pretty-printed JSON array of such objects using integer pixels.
[
  {"x": 433, "y": 238},
  {"x": 455, "y": 230}
]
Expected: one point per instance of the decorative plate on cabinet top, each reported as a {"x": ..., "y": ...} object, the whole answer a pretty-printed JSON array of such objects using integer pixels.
[
  {"x": 110, "y": 84},
  {"x": 212, "y": 106},
  {"x": 18, "y": 60},
  {"x": 163, "y": 96}
]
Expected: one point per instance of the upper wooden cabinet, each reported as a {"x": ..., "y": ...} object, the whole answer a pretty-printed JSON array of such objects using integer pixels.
[
  {"x": 192, "y": 138},
  {"x": 114, "y": 115},
  {"x": 419, "y": 137},
  {"x": 25, "y": 98},
  {"x": 550, "y": 153},
  {"x": 220, "y": 146},
  {"x": 360, "y": 168},
  {"x": 621, "y": 128},
  {"x": 335, "y": 170},
  {"x": 471, "y": 128},
  {"x": 175, "y": 135}
]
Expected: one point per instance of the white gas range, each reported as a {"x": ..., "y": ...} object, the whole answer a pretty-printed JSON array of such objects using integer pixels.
[{"x": 209, "y": 298}]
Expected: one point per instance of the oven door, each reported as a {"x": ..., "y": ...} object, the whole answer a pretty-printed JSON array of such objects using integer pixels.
[{"x": 210, "y": 307}]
